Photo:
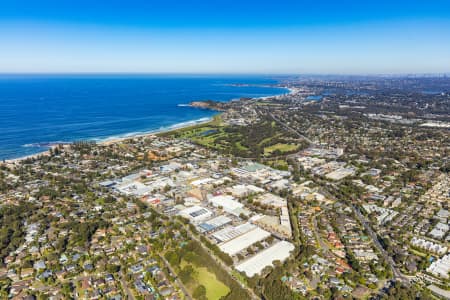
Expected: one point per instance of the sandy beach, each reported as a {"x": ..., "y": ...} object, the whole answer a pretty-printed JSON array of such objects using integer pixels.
[
  {"x": 112, "y": 140},
  {"x": 15, "y": 160},
  {"x": 191, "y": 123}
]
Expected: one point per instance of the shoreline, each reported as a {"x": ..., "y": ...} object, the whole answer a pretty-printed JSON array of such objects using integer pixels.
[
  {"x": 112, "y": 139},
  {"x": 19, "y": 159},
  {"x": 186, "y": 124}
]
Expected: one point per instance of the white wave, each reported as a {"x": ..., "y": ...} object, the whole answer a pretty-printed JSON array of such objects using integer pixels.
[
  {"x": 188, "y": 123},
  {"x": 154, "y": 131},
  {"x": 44, "y": 144}
]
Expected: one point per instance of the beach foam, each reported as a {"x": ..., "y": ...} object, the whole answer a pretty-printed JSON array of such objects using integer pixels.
[{"x": 104, "y": 108}]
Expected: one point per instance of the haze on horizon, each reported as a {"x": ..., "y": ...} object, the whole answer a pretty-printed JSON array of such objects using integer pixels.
[{"x": 340, "y": 37}]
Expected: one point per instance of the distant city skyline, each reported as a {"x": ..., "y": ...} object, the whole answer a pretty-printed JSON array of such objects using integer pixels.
[{"x": 330, "y": 37}]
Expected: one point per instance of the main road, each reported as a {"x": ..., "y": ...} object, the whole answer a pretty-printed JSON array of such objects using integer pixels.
[
  {"x": 288, "y": 128},
  {"x": 177, "y": 280},
  {"x": 397, "y": 274}
]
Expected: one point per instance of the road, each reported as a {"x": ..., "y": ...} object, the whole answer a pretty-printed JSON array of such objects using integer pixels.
[
  {"x": 322, "y": 244},
  {"x": 123, "y": 282},
  {"x": 397, "y": 274},
  {"x": 283, "y": 124},
  {"x": 177, "y": 280},
  {"x": 287, "y": 156}
]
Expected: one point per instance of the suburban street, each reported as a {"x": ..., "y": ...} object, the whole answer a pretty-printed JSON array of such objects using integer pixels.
[
  {"x": 177, "y": 280},
  {"x": 123, "y": 282},
  {"x": 397, "y": 274},
  {"x": 284, "y": 125}
]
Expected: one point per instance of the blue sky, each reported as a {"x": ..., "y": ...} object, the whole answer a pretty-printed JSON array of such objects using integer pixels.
[{"x": 339, "y": 37}]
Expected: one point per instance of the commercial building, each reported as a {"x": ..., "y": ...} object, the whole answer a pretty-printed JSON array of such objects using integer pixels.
[
  {"x": 428, "y": 246},
  {"x": 196, "y": 214},
  {"x": 341, "y": 173},
  {"x": 279, "y": 251},
  {"x": 134, "y": 188},
  {"x": 231, "y": 232},
  {"x": 243, "y": 190},
  {"x": 244, "y": 241},
  {"x": 439, "y": 231},
  {"x": 440, "y": 267},
  {"x": 228, "y": 204},
  {"x": 214, "y": 223},
  {"x": 272, "y": 200}
]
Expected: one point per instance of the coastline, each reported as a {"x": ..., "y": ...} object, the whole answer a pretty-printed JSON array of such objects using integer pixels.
[
  {"x": 19, "y": 159},
  {"x": 188, "y": 124},
  {"x": 112, "y": 140}
]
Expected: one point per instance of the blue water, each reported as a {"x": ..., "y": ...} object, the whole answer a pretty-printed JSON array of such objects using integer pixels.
[
  {"x": 314, "y": 97},
  {"x": 37, "y": 110}
]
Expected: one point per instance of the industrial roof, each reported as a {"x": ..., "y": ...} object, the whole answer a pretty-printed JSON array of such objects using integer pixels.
[
  {"x": 244, "y": 241},
  {"x": 254, "y": 265}
]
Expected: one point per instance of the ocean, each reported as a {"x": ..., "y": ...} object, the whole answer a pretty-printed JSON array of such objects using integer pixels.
[{"x": 39, "y": 110}]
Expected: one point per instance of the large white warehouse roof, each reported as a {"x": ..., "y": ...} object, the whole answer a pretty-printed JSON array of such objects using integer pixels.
[
  {"x": 254, "y": 265},
  {"x": 231, "y": 232},
  {"x": 244, "y": 241}
]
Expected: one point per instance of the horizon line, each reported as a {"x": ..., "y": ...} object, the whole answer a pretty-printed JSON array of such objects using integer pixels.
[{"x": 392, "y": 74}]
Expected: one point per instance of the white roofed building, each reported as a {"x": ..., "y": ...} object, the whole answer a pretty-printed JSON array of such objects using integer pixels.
[
  {"x": 134, "y": 188},
  {"x": 243, "y": 190},
  {"x": 230, "y": 232},
  {"x": 254, "y": 265},
  {"x": 214, "y": 223},
  {"x": 244, "y": 241},
  {"x": 271, "y": 200},
  {"x": 439, "y": 231},
  {"x": 441, "y": 267},
  {"x": 228, "y": 204},
  {"x": 196, "y": 213}
]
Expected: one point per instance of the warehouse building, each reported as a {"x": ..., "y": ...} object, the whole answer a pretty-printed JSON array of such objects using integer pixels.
[
  {"x": 231, "y": 232},
  {"x": 279, "y": 251},
  {"x": 244, "y": 241},
  {"x": 214, "y": 224},
  {"x": 196, "y": 214}
]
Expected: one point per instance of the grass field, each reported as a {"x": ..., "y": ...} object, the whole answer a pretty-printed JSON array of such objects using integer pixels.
[
  {"x": 194, "y": 130},
  {"x": 240, "y": 146},
  {"x": 267, "y": 140},
  {"x": 421, "y": 254},
  {"x": 261, "y": 139},
  {"x": 278, "y": 164},
  {"x": 239, "y": 277},
  {"x": 215, "y": 289},
  {"x": 280, "y": 147}
]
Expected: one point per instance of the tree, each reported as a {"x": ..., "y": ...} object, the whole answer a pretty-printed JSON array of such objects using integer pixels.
[
  {"x": 243, "y": 216},
  {"x": 186, "y": 274},
  {"x": 200, "y": 292},
  {"x": 190, "y": 256},
  {"x": 113, "y": 268}
]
